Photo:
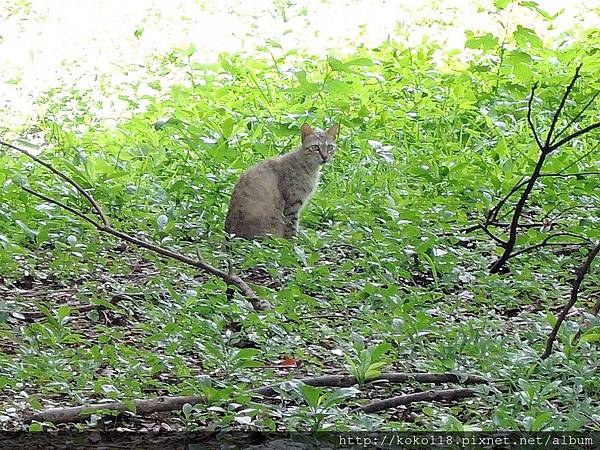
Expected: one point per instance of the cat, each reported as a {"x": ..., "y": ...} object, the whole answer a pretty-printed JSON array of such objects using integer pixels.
[{"x": 269, "y": 196}]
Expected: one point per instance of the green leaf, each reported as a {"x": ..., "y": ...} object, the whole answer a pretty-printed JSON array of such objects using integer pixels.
[
  {"x": 540, "y": 420},
  {"x": 187, "y": 409},
  {"x": 25, "y": 228},
  {"x": 227, "y": 127},
  {"x": 191, "y": 50},
  {"x": 524, "y": 36},
  {"x": 338, "y": 396},
  {"x": 534, "y": 6},
  {"x": 246, "y": 353},
  {"x": 35, "y": 427},
  {"x": 484, "y": 42},
  {"x": 335, "y": 64},
  {"x": 310, "y": 394},
  {"x": 590, "y": 337},
  {"x": 501, "y": 4}
]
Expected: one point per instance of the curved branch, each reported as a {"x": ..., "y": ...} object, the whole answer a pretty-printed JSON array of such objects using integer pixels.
[
  {"x": 572, "y": 121},
  {"x": 446, "y": 395},
  {"x": 529, "y": 120},
  {"x": 62, "y": 205},
  {"x": 574, "y": 135},
  {"x": 581, "y": 272},
  {"x": 546, "y": 242},
  {"x": 549, "y": 146},
  {"x": 65, "y": 177},
  {"x": 393, "y": 377}
]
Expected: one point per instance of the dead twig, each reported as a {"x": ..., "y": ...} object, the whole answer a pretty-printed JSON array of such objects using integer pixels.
[
  {"x": 581, "y": 272},
  {"x": 65, "y": 177},
  {"x": 140, "y": 407},
  {"x": 547, "y": 242},
  {"x": 393, "y": 377},
  {"x": 430, "y": 396},
  {"x": 492, "y": 214},
  {"x": 104, "y": 226}
]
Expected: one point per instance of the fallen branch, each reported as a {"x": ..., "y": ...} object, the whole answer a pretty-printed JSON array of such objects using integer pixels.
[
  {"x": 142, "y": 408},
  {"x": 106, "y": 227},
  {"x": 393, "y": 377},
  {"x": 392, "y": 402},
  {"x": 581, "y": 272},
  {"x": 161, "y": 404}
]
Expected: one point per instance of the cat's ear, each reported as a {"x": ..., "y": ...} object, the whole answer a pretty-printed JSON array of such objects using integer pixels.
[
  {"x": 333, "y": 131},
  {"x": 306, "y": 131}
]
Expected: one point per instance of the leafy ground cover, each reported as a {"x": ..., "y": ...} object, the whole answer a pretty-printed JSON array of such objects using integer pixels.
[{"x": 381, "y": 278}]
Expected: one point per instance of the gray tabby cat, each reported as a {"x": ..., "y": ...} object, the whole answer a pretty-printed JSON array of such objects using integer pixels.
[{"x": 269, "y": 196}]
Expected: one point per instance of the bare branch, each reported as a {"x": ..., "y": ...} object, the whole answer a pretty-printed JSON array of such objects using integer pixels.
[
  {"x": 574, "y": 119},
  {"x": 62, "y": 205},
  {"x": 574, "y": 135},
  {"x": 585, "y": 155},
  {"x": 393, "y": 377},
  {"x": 65, "y": 177},
  {"x": 529, "y": 120},
  {"x": 146, "y": 407},
  {"x": 546, "y": 242},
  {"x": 512, "y": 237},
  {"x": 548, "y": 146},
  {"x": 499, "y": 241},
  {"x": 493, "y": 213},
  {"x": 446, "y": 394},
  {"x": 142, "y": 408},
  {"x": 581, "y": 272}
]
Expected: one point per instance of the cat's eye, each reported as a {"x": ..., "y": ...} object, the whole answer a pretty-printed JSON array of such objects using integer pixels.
[
  {"x": 314, "y": 148},
  {"x": 329, "y": 147}
]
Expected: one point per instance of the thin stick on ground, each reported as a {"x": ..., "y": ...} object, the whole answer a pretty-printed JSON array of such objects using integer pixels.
[
  {"x": 106, "y": 227},
  {"x": 428, "y": 396},
  {"x": 392, "y": 377},
  {"x": 581, "y": 272},
  {"x": 142, "y": 408}
]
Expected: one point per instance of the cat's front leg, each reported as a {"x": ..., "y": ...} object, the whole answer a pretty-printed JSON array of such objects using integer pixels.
[{"x": 290, "y": 215}]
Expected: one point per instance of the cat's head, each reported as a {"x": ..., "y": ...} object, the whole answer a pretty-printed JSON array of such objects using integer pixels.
[{"x": 319, "y": 146}]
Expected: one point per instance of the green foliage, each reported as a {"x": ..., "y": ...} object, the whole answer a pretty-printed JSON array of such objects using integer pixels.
[
  {"x": 425, "y": 149},
  {"x": 367, "y": 362},
  {"x": 320, "y": 404}
]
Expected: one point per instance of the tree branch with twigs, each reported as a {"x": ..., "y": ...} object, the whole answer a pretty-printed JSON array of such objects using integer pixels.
[
  {"x": 550, "y": 145},
  {"x": 552, "y": 142},
  {"x": 105, "y": 226}
]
